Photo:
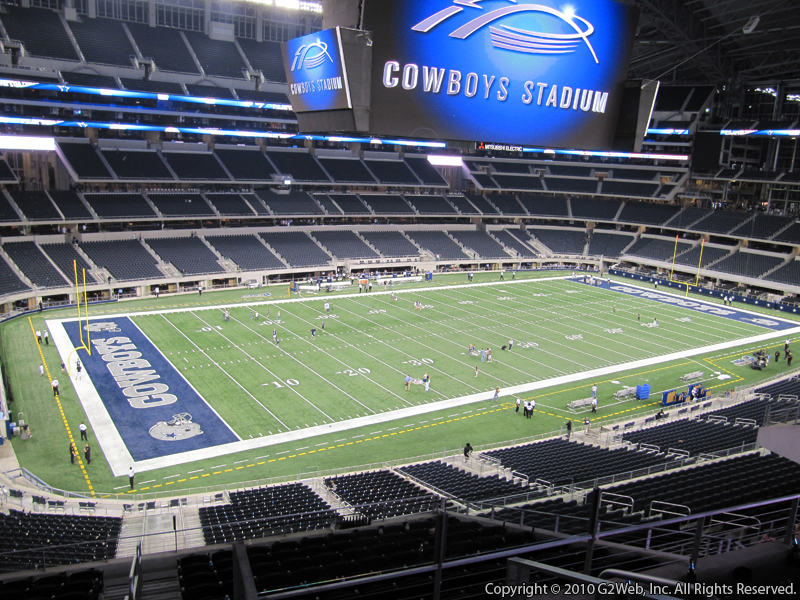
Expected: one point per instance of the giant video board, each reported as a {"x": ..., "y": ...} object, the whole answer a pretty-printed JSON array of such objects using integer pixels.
[{"x": 535, "y": 72}]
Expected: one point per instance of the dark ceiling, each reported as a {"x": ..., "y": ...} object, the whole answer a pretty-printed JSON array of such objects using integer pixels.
[{"x": 701, "y": 41}]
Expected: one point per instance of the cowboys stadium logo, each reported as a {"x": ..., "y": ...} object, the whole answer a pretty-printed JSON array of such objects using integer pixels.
[
  {"x": 513, "y": 38},
  {"x": 318, "y": 52},
  {"x": 180, "y": 428},
  {"x": 98, "y": 327}
]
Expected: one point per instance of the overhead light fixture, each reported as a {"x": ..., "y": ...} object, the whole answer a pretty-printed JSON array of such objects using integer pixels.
[{"x": 445, "y": 161}]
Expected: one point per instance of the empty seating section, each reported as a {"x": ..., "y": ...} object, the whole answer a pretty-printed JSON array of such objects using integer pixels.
[
  {"x": 762, "y": 226},
  {"x": 789, "y": 387},
  {"x": 519, "y": 182},
  {"x": 392, "y": 172},
  {"x": 350, "y": 204},
  {"x": 103, "y": 41},
  {"x": 300, "y": 165},
  {"x": 66, "y": 257},
  {"x": 90, "y": 80},
  {"x": 426, "y": 172},
  {"x": 41, "y": 31},
  {"x": 570, "y": 170},
  {"x": 578, "y": 186},
  {"x": 7, "y": 212},
  {"x": 790, "y": 235},
  {"x": 628, "y": 188},
  {"x": 387, "y": 204},
  {"x": 721, "y": 222},
  {"x": 710, "y": 255},
  {"x": 608, "y": 244},
  {"x": 144, "y": 164},
  {"x": 165, "y": 46},
  {"x": 265, "y": 57},
  {"x": 189, "y": 255},
  {"x": 246, "y": 165},
  {"x": 481, "y": 204},
  {"x": 195, "y": 165},
  {"x": 755, "y": 410},
  {"x": 124, "y": 259},
  {"x": 153, "y": 87},
  {"x": 6, "y": 174},
  {"x": 748, "y": 264},
  {"x": 485, "y": 181},
  {"x": 181, "y": 204},
  {"x": 438, "y": 243},
  {"x": 391, "y": 244},
  {"x": 36, "y": 206},
  {"x": 120, "y": 206},
  {"x": 482, "y": 243},
  {"x": 265, "y": 97},
  {"x": 344, "y": 244},
  {"x": 431, "y": 205},
  {"x": 507, "y": 204},
  {"x": 84, "y": 161},
  {"x": 257, "y": 204},
  {"x": 463, "y": 205},
  {"x": 650, "y": 214},
  {"x": 465, "y": 486},
  {"x": 511, "y": 167},
  {"x": 346, "y": 170},
  {"x": 231, "y": 205},
  {"x": 687, "y": 217},
  {"x": 265, "y": 511},
  {"x": 545, "y": 206},
  {"x": 209, "y": 91},
  {"x": 216, "y": 57},
  {"x": 695, "y": 437},
  {"x": 327, "y": 205},
  {"x": 594, "y": 210},
  {"x": 207, "y": 576},
  {"x": 297, "y": 249},
  {"x": 9, "y": 281},
  {"x": 246, "y": 251},
  {"x": 55, "y": 539},
  {"x": 510, "y": 241},
  {"x": 293, "y": 203},
  {"x": 29, "y": 259},
  {"x": 80, "y": 584},
  {"x": 70, "y": 205},
  {"x": 656, "y": 249},
  {"x": 789, "y": 274},
  {"x": 560, "y": 241},
  {"x": 561, "y": 462},
  {"x": 385, "y": 494}
]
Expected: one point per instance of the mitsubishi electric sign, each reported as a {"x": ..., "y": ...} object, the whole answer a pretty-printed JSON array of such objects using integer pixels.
[
  {"x": 539, "y": 72},
  {"x": 316, "y": 73}
]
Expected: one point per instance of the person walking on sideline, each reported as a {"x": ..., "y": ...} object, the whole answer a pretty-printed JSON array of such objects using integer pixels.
[
  {"x": 408, "y": 382},
  {"x": 72, "y": 453},
  {"x": 594, "y": 391},
  {"x": 569, "y": 429},
  {"x": 496, "y": 393},
  {"x": 82, "y": 428},
  {"x": 41, "y": 370},
  {"x": 467, "y": 451},
  {"x": 594, "y": 404},
  {"x": 38, "y": 336},
  {"x": 476, "y": 370},
  {"x": 87, "y": 454},
  {"x": 130, "y": 476},
  {"x": 519, "y": 401},
  {"x": 46, "y": 337},
  {"x": 427, "y": 381},
  {"x": 55, "y": 387}
]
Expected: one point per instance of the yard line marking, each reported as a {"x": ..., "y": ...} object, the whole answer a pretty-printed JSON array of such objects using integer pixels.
[
  {"x": 260, "y": 457},
  {"x": 197, "y": 471},
  {"x": 227, "y": 374},
  {"x": 167, "y": 477},
  {"x": 218, "y": 467},
  {"x": 241, "y": 461}
]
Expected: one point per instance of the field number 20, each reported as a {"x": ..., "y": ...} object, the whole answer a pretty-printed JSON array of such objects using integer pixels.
[{"x": 354, "y": 372}]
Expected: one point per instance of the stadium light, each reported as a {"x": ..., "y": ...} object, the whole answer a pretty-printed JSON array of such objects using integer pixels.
[
  {"x": 445, "y": 161},
  {"x": 18, "y": 142}
]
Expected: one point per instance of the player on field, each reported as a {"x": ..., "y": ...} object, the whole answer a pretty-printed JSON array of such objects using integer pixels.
[
  {"x": 313, "y": 333},
  {"x": 274, "y": 334},
  {"x": 327, "y": 307},
  {"x": 323, "y": 326}
]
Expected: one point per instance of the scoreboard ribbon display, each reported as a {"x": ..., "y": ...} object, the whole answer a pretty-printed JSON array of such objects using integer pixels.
[{"x": 542, "y": 72}]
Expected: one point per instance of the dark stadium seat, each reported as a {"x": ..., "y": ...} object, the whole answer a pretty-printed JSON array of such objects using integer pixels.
[
  {"x": 189, "y": 255},
  {"x": 165, "y": 46},
  {"x": 387, "y": 204},
  {"x": 481, "y": 204},
  {"x": 657, "y": 249},
  {"x": 194, "y": 166},
  {"x": 350, "y": 204},
  {"x": 137, "y": 164},
  {"x": 209, "y": 91},
  {"x": 300, "y": 165},
  {"x": 6, "y": 174},
  {"x": 124, "y": 259},
  {"x": 391, "y": 244},
  {"x": 246, "y": 251},
  {"x": 788, "y": 274},
  {"x": 328, "y": 205},
  {"x": 153, "y": 86},
  {"x": 246, "y": 164},
  {"x": 84, "y": 160},
  {"x": 762, "y": 226},
  {"x": 346, "y": 170},
  {"x": 650, "y": 214},
  {"x": 687, "y": 217},
  {"x": 748, "y": 264},
  {"x": 560, "y": 241},
  {"x": 710, "y": 254},
  {"x": 544, "y": 206},
  {"x": 694, "y": 436},
  {"x": 10, "y": 281},
  {"x": 463, "y": 205},
  {"x": 438, "y": 243},
  {"x": 628, "y": 188},
  {"x": 70, "y": 205},
  {"x": 232, "y": 205},
  {"x": 293, "y": 203},
  {"x": 391, "y": 172},
  {"x": 344, "y": 244},
  {"x": 721, "y": 222},
  {"x": 482, "y": 243},
  {"x": 265, "y": 97},
  {"x": 297, "y": 249},
  {"x": 511, "y": 241},
  {"x": 386, "y": 494},
  {"x": 64, "y": 256},
  {"x": 181, "y": 204},
  {"x": 507, "y": 204},
  {"x": 578, "y": 186},
  {"x": 523, "y": 183},
  {"x": 609, "y": 245},
  {"x": 30, "y": 260},
  {"x": 594, "y": 210},
  {"x": 265, "y": 57},
  {"x": 790, "y": 235},
  {"x": 41, "y": 31},
  {"x": 36, "y": 206},
  {"x": 120, "y": 206},
  {"x": 468, "y": 486},
  {"x": 426, "y": 172},
  {"x": 91, "y": 80},
  {"x": 217, "y": 58},
  {"x": 7, "y": 212},
  {"x": 103, "y": 41}
]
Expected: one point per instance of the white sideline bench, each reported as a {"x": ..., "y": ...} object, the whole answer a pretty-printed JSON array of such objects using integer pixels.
[
  {"x": 625, "y": 393},
  {"x": 396, "y": 280},
  {"x": 579, "y": 403},
  {"x": 693, "y": 375}
]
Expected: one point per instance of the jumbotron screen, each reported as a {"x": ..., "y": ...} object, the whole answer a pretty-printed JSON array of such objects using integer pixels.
[{"x": 538, "y": 72}]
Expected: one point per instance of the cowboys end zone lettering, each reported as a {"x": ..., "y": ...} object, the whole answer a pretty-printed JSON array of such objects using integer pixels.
[
  {"x": 539, "y": 72},
  {"x": 776, "y": 324},
  {"x": 155, "y": 410},
  {"x": 315, "y": 72}
]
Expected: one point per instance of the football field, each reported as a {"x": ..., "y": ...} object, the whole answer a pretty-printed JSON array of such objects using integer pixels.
[{"x": 175, "y": 386}]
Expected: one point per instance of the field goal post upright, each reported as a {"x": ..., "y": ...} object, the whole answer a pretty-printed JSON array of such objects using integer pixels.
[
  {"x": 672, "y": 272},
  {"x": 80, "y": 297}
]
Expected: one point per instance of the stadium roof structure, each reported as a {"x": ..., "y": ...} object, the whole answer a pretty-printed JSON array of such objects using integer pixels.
[{"x": 706, "y": 41}]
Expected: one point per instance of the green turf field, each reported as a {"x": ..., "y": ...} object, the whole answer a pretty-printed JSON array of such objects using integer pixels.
[{"x": 357, "y": 367}]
